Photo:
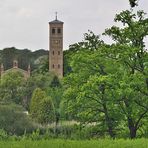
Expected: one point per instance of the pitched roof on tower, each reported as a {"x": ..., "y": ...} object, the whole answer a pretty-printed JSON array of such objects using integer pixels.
[{"x": 56, "y": 21}]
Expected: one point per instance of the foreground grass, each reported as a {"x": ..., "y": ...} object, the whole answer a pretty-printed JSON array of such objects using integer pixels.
[{"x": 138, "y": 143}]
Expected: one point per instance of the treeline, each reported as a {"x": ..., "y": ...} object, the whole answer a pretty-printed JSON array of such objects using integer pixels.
[{"x": 24, "y": 57}]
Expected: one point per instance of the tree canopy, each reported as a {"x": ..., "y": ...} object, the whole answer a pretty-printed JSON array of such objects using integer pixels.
[{"x": 107, "y": 84}]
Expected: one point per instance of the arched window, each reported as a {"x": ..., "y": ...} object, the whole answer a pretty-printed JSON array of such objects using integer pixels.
[
  {"x": 53, "y": 30},
  {"x": 58, "y": 52},
  {"x": 59, "y": 30},
  {"x": 58, "y": 65},
  {"x": 53, "y": 66},
  {"x": 53, "y": 52}
]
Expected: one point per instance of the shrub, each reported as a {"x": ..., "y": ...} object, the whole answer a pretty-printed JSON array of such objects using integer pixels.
[
  {"x": 41, "y": 107},
  {"x": 35, "y": 135},
  {"x": 14, "y": 121},
  {"x": 3, "y": 135},
  {"x": 47, "y": 114}
]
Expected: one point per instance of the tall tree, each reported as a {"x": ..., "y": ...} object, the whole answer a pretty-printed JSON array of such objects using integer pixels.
[
  {"x": 41, "y": 107},
  {"x": 12, "y": 85},
  {"x": 130, "y": 50},
  {"x": 37, "y": 80},
  {"x": 55, "y": 91},
  {"x": 90, "y": 86}
]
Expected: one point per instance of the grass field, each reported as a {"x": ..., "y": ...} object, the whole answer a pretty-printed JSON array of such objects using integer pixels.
[{"x": 139, "y": 143}]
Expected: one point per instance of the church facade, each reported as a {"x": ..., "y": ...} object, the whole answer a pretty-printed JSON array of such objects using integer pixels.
[{"x": 15, "y": 68}]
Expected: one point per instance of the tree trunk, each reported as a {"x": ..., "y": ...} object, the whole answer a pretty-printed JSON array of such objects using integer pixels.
[
  {"x": 132, "y": 128},
  {"x": 109, "y": 122},
  {"x": 133, "y": 132},
  {"x": 108, "y": 119},
  {"x": 56, "y": 123},
  {"x": 110, "y": 131}
]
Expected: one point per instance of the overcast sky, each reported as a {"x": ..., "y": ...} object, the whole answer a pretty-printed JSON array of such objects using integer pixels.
[{"x": 24, "y": 23}]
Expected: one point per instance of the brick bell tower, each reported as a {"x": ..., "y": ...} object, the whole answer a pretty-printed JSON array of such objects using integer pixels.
[{"x": 56, "y": 47}]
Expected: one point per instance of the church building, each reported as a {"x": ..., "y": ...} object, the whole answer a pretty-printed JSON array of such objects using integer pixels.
[{"x": 15, "y": 68}]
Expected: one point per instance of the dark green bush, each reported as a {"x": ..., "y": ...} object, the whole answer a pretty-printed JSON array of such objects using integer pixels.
[{"x": 14, "y": 121}]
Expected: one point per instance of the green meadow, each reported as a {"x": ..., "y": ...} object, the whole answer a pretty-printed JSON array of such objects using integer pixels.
[{"x": 102, "y": 143}]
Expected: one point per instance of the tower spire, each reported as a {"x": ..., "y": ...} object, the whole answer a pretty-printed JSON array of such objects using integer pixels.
[{"x": 56, "y": 15}]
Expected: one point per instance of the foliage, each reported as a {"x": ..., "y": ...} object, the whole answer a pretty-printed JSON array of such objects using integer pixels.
[
  {"x": 41, "y": 107},
  {"x": 55, "y": 83},
  {"x": 90, "y": 87},
  {"x": 91, "y": 42},
  {"x": 55, "y": 91},
  {"x": 3, "y": 135},
  {"x": 24, "y": 57},
  {"x": 35, "y": 135},
  {"x": 130, "y": 51},
  {"x": 37, "y": 97},
  {"x": 133, "y": 3},
  {"x": 37, "y": 80},
  {"x": 47, "y": 111},
  {"x": 11, "y": 87},
  {"x": 42, "y": 64},
  {"x": 108, "y": 82},
  {"x": 14, "y": 121}
]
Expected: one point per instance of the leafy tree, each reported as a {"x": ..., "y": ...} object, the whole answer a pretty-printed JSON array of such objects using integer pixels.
[
  {"x": 11, "y": 87},
  {"x": 37, "y": 97},
  {"x": 130, "y": 51},
  {"x": 37, "y": 80},
  {"x": 67, "y": 55},
  {"x": 41, "y": 107},
  {"x": 14, "y": 121},
  {"x": 91, "y": 42},
  {"x": 55, "y": 83},
  {"x": 90, "y": 86},
  {"x": 108, "y": 82},
  {"x": 42, "y": 64},
  {"x": 47, "y": 111},
  {"x": 55, "y": 91}
]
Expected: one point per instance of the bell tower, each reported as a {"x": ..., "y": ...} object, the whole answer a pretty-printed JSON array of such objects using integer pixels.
[{"x": 56, "y": 47}]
